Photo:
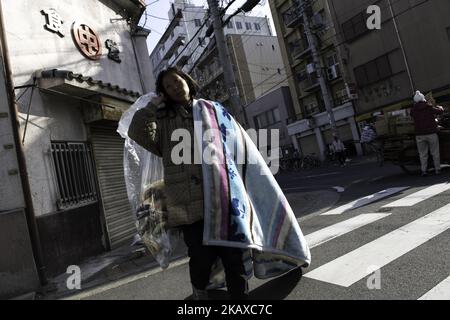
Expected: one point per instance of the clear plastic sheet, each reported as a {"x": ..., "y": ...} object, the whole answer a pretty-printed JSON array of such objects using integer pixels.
[{"x": 144, "y": 174}]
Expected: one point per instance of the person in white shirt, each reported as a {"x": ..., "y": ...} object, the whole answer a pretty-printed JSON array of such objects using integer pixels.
[{"x": 339, "y": 150}]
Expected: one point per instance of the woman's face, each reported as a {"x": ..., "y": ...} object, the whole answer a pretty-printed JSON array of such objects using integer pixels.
[{"x": 176, "y": 88}]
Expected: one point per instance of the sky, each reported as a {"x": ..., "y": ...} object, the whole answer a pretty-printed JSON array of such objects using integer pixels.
[{"x": 160, "y": 9}]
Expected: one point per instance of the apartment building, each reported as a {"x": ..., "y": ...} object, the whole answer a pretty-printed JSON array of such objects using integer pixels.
[
  {"x": 310, "y": 130},
  {"x": 258, "y": 70},
  {"x": 184, "y": 38},
  {"x": 409, "y": 52}
]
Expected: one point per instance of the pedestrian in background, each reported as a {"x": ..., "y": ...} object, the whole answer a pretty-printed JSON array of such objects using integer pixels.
[
  {"x": 339, "y": 150},
  {"x": 369, "y": 139},
  {"x": 426, "y": 129}
]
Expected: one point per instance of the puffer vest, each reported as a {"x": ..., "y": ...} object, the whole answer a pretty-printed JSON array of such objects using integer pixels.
[{"x": 183, "y": 182}]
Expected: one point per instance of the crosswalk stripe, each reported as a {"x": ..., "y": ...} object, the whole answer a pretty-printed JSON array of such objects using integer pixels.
[
  {"x": 321, "y": 236},
  {"x": 354, "y": 266},
  {"x": 420, "y": 196},
  {"x": 440, "y": 292},
  {"x": 364, "y": 201}
]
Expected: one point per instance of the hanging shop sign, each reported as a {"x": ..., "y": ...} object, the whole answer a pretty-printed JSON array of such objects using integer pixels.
[
  {"x": 87, "y": 41},
  {"x": 113, "y": 50},
  {"x": 84, "y": 37}
]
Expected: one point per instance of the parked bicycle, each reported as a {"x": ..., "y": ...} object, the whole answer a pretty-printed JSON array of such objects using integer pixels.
[{"x": 310, "y": 161}]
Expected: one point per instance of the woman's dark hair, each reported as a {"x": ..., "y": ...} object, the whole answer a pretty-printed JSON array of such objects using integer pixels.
[{"x": 193, "y": 86}]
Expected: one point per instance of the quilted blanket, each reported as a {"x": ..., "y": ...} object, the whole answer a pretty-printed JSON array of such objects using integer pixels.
[{"x": 244, "y": 205}]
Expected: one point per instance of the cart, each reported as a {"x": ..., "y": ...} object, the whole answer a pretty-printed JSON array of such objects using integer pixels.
[
  {"x": 400, "y": 147},
  {"x": 402, "y": 151}
]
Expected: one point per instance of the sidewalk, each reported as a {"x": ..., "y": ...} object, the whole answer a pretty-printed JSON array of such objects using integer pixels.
[{"x": 109, "y": 267}]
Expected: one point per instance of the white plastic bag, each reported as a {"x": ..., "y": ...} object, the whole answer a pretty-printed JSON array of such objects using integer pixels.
[{"x": 144, "y": 174}]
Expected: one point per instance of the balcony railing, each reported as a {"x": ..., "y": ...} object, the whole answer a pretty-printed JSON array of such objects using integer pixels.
[
  {"x": 174, "y": 45},
  {"x": 311, "y": 84},
  {"x": 292, "y": 16},
  {"x": 299, "y": 48}
]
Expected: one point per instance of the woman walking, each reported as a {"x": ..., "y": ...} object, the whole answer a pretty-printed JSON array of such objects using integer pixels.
[{"x": 214, "y": 203}]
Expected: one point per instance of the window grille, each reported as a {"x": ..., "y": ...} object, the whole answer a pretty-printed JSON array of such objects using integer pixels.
[{"x": 75, "y": 174}]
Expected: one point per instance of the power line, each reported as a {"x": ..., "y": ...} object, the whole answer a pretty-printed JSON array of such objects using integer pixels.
[
  {"x": 391, "y": 18},
  {"x": 193, "y": 37},
  {"x": 294, "y": 74}
]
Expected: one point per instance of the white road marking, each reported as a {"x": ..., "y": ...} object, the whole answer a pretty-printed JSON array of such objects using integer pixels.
[
  {"x": 353, "y": 266},
  {"x": 321, "y": 236},
  {"x": 339, "y": 189},
  {"x": 364, "y": 201},
  {"x": 420, "y": 196},
  {"x": 440, "y": 292},
  {"x": 323, "y": 175}
]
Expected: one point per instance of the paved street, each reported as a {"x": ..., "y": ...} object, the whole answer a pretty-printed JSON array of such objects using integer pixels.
[{"x": 395, "y": 247}]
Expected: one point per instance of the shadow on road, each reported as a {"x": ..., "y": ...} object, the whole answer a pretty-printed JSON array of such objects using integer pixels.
[{"x": 278, "y": 288}]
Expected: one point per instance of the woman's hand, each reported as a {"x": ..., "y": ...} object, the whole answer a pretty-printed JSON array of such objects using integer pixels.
[{"x": 158, "y": 100}]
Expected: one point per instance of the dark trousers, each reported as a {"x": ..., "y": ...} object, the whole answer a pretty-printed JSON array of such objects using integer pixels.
[
  {"x": 341, "y": 157},
  {"x": 203, "y": 257}
]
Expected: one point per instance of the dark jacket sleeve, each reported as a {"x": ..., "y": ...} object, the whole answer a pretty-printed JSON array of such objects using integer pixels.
[
  {"x": 144, "y": 130},
  {"x": 438, "y": 110}
]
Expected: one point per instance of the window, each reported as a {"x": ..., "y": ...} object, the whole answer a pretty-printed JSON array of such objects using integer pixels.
[
  {"x": 373, "y": 71},
  {"x": 238, "y": 25},
  {"x": 248, "y": 26},
  {"x": 171, "y": 35},
  {"x": 312, "y": 108},
  {"x": 270, "y": 117},
  {"x": 273, "y": 47},
  {"x": 201, "y": 41},
  {"x": 276, "y": 115},
  {"x": 257, "y": 26},
  {"x": 332, "y": 60},
  {"x": 355, "y": 27},
  {"x": 198, "y": 22},
  {"x": 230, "y": 25},
  {"x": 75, "y": 174},
  {"x": 267, "y": 118}
]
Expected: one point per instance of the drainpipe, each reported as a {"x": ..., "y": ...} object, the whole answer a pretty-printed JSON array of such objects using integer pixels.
[{"x": 29, "y": 210}]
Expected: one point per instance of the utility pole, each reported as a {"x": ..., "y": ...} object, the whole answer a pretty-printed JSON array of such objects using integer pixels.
[
  {"x": 317, "y": 67},
  {"x": 225, "y": 59},
  {"x": 405, "y": 59}
]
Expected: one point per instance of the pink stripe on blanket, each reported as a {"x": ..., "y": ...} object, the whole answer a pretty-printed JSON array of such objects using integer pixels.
[
  {"x": 282, "y": 214},
  {"x": 222, "y": 175}
]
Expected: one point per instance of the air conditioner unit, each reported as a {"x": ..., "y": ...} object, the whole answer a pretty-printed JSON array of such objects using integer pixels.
[
  {"x": 332, "y": 73},
  {"x": 310, "y": 68}
]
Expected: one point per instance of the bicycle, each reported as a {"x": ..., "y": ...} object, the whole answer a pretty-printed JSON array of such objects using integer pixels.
[{"x": 310, "y": 161}]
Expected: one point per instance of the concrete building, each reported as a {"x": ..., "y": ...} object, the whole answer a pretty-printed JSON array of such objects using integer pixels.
[
  {"x": 184, "y": 38},
  {"x": 18, "y": 272},
  {"x": 389, "y": 64},
  {"x": 310, "y": 128},
  {"x": 76, "y": 66},
  {"x": 257, "y": 65},
  {"x": 271, "y": 112}
]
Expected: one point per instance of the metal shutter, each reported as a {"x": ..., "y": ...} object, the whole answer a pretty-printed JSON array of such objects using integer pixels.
[
  {"x": 108, "y": 153},
  {"x": 309, "y": 145}
]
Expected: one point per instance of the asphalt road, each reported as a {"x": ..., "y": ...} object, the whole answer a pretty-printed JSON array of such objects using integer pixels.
[{"x": 402, "y": 272}]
